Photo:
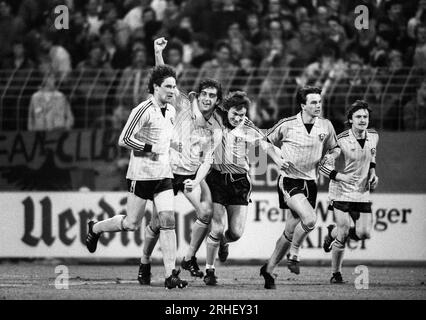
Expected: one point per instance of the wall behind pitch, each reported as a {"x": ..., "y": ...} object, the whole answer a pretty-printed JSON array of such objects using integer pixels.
[{"x": 54, "y": 224}]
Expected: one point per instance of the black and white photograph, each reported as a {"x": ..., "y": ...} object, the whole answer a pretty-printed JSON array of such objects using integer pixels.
[{"x": 212, "y": 159}]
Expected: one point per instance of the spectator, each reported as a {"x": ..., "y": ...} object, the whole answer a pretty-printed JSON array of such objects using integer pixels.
[
  {"x": 79, "y": 33},
  {"x": 328, "y": 69},
  {"x": 121, "y": 29},
  {"x": 396, "y": 21},
  {"x": 133, "y": 86},
  {"x": 173, "y": 55},
  {"x": 301, "y": 14},
  {"x": 95, "y": 77},
  {"x": 288, "y": 24},
  {"x": 159, "y": 6},
  {"x": 336, "y": 33},
  {"x": 173, "y": 14},
  {"x": 253, "y": 32},
  {"x": 273, "y": 11},
  {"x": 304, "y": 46},
  {"x": 134, "y": 18},
  {"x": 49, "y": 108},
  {"x": 415, "y": 110},
  {"x": 415, "y": 21},
  {"x": 216, "y": 20},
  {"x": 184, "y": 34},
  {"x": 221, "y": 67},
  {"x": 11, "y": 28},
  {"x": 113, "y": 55},
  {"x": 152, "y": 29},
  {"x": 275, "y": 31},
  {"x": 238, "y": 44},
  {"x": 17, "y": 85},
  {"x": 321, "y": 21},
  {"x": 200, "y": 52},
  {"x": 419, "y": 58},
  {"x": 363, "y": 43},
  {"x": 54, "y": 58},
  {"x": 93, "y": 17},
  {"x": 18, "y": 60},
  {"x": 379, "y": 55}
]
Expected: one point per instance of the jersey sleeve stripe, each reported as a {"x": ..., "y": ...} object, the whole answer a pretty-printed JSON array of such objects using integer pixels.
[
  {"x": 251, "y": 125},
  {"x": 343, "y": 134},
  {"x": 127, "y": 137},
  {"x": 278, "y": 124}
]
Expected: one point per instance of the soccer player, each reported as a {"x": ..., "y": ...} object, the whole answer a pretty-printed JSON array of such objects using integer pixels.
[
  {"x": 148, "y": 133},
  {"x": 351, "y": 179},
  {"x": 229, "y": 179},
  {"x": 196, "y": 134},
  {"x": 303, "y": 140}
]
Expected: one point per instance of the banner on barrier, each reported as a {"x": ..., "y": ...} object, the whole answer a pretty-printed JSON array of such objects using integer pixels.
[{"x": 54, "y": 224}]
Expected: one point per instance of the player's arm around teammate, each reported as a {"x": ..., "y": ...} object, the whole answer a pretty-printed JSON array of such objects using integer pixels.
[{"x": 191, "y": 144}]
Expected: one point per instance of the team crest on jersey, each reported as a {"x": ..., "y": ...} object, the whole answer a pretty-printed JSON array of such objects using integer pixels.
[
  {"x": 322, "y": 136},
  {"x": 373, "y": 151}
]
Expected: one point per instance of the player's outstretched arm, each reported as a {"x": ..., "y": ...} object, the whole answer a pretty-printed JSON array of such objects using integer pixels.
[{"x": 159, "y": 46}]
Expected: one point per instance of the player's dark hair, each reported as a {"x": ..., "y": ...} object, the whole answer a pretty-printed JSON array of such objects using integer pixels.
[
  {"x": 357, "y": 105},
  {"x": 211, "y": 83},
  {"x": 236, "y": 99},
  {"x": 303, "y": 93},
  {"x": 158, "y": 75}
]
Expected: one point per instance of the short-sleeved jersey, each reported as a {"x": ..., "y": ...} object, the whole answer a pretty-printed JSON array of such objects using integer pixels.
[
  {"x": 303, "y": 149},
  {"x": 353, "y": 160},
  {"x": 233, "y": 155},
  {"x": 192, "y": 144},
  {"x": 147, "y": 125}
]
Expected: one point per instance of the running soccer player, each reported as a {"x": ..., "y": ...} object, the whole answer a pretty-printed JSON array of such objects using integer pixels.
[
  {"x": 303, "y": 140},
  {"x": 351, "y": 179},
  {"x": 148, "y": 133},
  {"x": 229, "y": 179},
  {"x": 196, "y": 134}
]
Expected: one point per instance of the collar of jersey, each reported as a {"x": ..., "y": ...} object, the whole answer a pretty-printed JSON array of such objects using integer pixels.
[
  {"x": 155, "y": 104},
  {"x": 300, "y": 120},
  {"x": 353, "y": 138}
]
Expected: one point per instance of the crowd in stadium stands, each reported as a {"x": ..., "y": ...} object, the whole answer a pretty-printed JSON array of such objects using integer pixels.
[{"x": 112, "y": 41}]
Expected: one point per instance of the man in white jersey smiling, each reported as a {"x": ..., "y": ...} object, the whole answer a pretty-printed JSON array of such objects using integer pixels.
[
  {"x": 147, "y": 134},
  {"x": 196, "y": 134},
  {"x": 303, "y": 140},
  {"x": 229, "y": 179},
  {"x": 351, "y": 179}
]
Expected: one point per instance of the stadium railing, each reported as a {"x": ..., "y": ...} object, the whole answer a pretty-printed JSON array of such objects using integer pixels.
[{"x": 95, "y": 93}]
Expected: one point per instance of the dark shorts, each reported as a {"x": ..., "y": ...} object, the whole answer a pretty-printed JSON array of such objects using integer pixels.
[
  {"x": 228, "y": 188},
  {"x": 147, "y": 188},
  {"x": 178, "y": 180},
  {"x": 353, "y": 208},
  {"x": 288, "y": 187}
]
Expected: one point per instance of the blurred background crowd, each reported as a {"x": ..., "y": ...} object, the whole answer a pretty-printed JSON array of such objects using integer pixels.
[{"x": 95, "y": 71}]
